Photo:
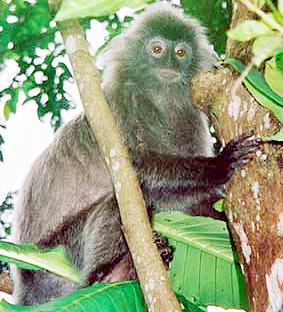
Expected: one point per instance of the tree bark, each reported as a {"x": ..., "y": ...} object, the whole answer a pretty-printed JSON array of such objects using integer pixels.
[{"x": 254, "y": 197}]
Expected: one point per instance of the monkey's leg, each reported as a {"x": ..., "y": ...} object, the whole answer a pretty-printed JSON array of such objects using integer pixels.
[
  {"x": 106, "y": 254},
  {"x": 193, "y": 181},
  {"x": 105, "y": 249}
]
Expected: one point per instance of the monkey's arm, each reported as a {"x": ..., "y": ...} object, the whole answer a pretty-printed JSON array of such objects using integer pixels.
[{"x": 199, "y": 179}]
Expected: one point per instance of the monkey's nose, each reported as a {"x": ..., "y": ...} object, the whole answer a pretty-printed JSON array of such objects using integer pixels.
[{"x": 169, "y": 74}]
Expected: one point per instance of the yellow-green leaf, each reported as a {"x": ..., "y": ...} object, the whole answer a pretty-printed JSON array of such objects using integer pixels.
[
  {"x": 248, "y": 30},
  {"x": 83, "y": 8},
  {"x": 267, "y": 46},
  {"x": 274, "y": 76}
]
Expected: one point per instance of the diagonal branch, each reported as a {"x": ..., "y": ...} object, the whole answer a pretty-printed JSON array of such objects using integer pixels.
[{"x": 137, "y": 229}]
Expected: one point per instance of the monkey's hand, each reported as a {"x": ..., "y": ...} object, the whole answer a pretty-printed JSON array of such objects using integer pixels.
[{"x": 235, "y": 154}]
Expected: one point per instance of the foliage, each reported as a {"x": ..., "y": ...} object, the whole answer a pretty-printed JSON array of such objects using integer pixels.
[
  {"x": 204, "y": 268},
  {"x": 5, "y": 225},
  {"x": 255, "y": 83},
  {"x": 124, "y": 296},
  {"x": 6, "y": 206},
  {"x": 215, "y": 15},
  {"x": 267, "y": 34},
  {"x": 30, "y": 257},
  {"x": 85, "y": 8},
  {"x": 28, "y": 37}
]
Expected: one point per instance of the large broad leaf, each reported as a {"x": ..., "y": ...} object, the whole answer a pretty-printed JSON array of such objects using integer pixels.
[
  {"x": 101, "y": 297},
  {"x": 83, "y": 8},
  {"x": 204, "y": 269},
  {"x": 125, "y": 296},
  {"x": 30, "y": 257}
]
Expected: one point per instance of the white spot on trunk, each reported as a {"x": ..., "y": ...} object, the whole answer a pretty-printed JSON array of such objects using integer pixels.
[
  {"x": 257, "y": 218},
  {"x": 243, "y": 173},
  {"x": 255, "y": 189},
  {"x": 274, "y": 282},
  {"x": 116, "y": 166},
  {"x": 280, "y": 224},
  {"x": 264, "y": 157},
  {"x": 266, "y": 121},
  {"x": 113, "y": 152},
  {"x": 246, "y": 248},
  {"x": 253, "y": 226},
  {"x": 71, "y": 44},
  {"x": 258, "y": 153},
  {"x": 234, "y": 107}
]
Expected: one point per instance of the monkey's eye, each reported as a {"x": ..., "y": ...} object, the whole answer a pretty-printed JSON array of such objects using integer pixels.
[
  {"x": 181, "y": 52},
  {"x": 157, "y": 49}
]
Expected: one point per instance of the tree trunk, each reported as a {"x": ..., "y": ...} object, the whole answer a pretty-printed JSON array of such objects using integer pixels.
[{"x": 254, "y": 203}]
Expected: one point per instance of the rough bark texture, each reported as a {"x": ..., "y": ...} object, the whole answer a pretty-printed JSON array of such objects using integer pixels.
[{"x": 254, "y": 204}]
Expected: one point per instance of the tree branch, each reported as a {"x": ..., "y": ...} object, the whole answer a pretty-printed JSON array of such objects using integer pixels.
[{"x": 136, "y": 226}]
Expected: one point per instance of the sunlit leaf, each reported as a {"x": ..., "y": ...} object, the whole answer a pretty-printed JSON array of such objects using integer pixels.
[
  {"x": 101, "y": 297},
  {"x": 31, "y": 257},
  {"x": 83, "y": 8},
  {"x": 203, "y": 269},
  {"x": 248, "y": 30},
  {"x": 274, "y": 76},
  {"x": 267, "y": 46}
]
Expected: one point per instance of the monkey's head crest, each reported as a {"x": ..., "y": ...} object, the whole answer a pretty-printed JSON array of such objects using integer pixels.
[{"x": 162, "y": 46}]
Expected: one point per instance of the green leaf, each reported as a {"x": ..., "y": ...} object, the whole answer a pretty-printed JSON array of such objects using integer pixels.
[
  {"x": 31, "y": 257},
  {"x": 267, "y": 46},
  {"x": 6, "y": 111},
  {"x": 83, "y": 8},
  {"x": 203, "y": 269},
  {"x": 248, "y": 30},
  {"x": 274, "y": 76},
  {"x": 256, "y": 80},
  {"x": 219, "y": 205},
  {"x": 101, "y": 297},
  {"x": 265, "y": 101},
  {"x": 215, "y": 16},
  {"x": 279, "y": 61}
]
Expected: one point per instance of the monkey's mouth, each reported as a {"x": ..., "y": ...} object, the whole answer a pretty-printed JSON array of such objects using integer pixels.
[{"x": 168, "y": 75}]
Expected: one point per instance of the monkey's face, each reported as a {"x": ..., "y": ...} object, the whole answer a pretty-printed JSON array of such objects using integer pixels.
[
  {"x": 169, "y": 61},
  {"x": 163, "y": 51}
]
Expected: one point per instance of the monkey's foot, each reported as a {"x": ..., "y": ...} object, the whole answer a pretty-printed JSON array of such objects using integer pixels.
[{"x": 165, "y": 251}]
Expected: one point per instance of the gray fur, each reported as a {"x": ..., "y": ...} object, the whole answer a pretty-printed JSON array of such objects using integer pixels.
[{"x": 68, "y": 196}]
